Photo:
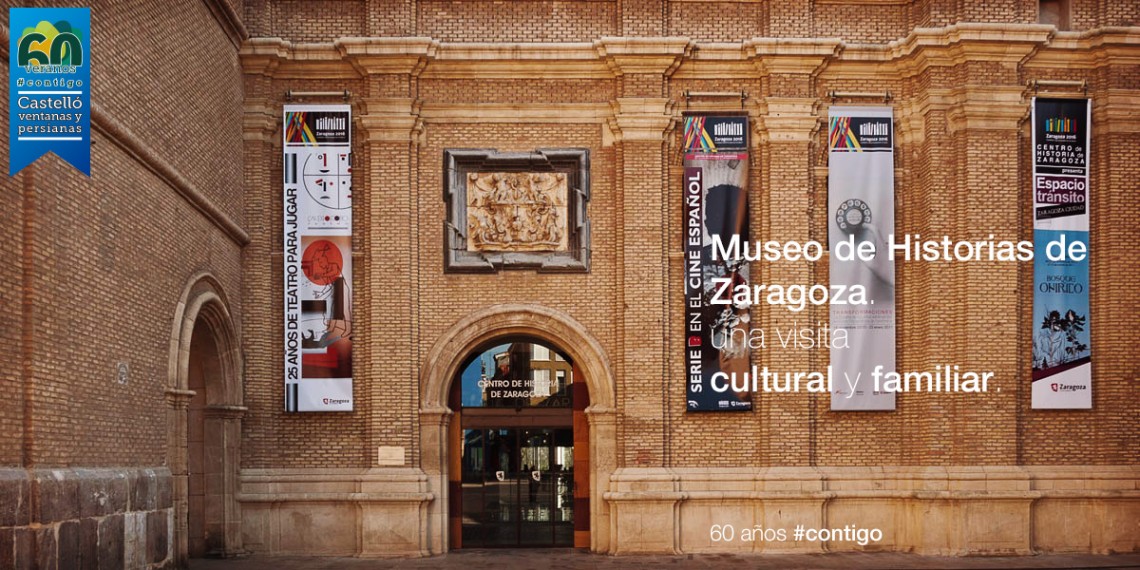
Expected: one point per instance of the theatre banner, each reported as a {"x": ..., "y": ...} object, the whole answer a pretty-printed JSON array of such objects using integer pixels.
[
  {"x": 318, "y": 258},
  {"x": 1062, "y": 355},
  {"x": 715, "y": 207},
  {"x": 861, "y": 208}
]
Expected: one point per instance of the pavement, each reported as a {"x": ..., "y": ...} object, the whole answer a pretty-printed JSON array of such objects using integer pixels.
[{"x": 570, "y": 559}]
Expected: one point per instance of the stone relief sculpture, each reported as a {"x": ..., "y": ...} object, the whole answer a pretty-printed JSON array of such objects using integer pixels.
[{"x": 517, "y": 211}]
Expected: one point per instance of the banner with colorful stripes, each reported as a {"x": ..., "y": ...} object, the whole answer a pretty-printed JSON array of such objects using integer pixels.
[
  {"x": 861, "y": 207},
  {"x": 1062, "y": 348},
  {"x": 318, "y": 258},
  {"x": 715, "y": 202}
]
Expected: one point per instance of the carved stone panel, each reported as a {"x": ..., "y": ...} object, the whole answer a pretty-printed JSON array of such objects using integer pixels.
[{"x": 516, "y": 211}]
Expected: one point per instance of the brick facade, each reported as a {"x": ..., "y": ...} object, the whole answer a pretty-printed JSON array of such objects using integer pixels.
[
  {"x": 96, "y": 269},
  {"x": 184, "y": 209}
]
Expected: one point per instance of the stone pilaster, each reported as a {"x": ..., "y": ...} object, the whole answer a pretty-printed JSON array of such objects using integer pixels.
[
  {"x": 787, "y": 133},
  {"x": 387, "y": 294},
  {"x": 603, "y": 462},
  {"x": 222, "y": 460},
  {"x": 977, "y": 171},
  {"x": 986, "y": 121},
  {"x": 641, "y": 122},
  {"x": 177, "y": 402},
  {"x": 787, "y": 142},
  {"x": 433, "y": 440}
]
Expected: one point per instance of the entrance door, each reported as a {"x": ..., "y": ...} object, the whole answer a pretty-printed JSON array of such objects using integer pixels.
[{"x": 518, "y": 487}]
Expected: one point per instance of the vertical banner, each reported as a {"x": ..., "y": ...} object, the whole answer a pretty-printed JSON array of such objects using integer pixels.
[
  {"x": 1062, "y": 356},
  {"x": 715, "y": 206},
  {"x": 49, "y": 86},
  {"x": 318, "y": 258},
  {"x": 861, "y": 208}
]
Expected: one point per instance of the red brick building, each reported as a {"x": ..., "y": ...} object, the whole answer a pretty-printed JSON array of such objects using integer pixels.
[{"x": 142, "y": 324}]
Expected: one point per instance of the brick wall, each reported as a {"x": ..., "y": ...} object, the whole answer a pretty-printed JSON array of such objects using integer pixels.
[
  {"x": 514, "y": 91},
  {"x": 98, "y": 266},
  {"x": 318, "y": 21},
  {"x": 702, "y": 20},
  {"x": 862, "y": 22},
  {"x": 13, "y": 225},
  {"x": 110, "y": 254},
  {"x": 718, "y": 21},
  {"x": 529, "y": 21},
  {"x": 949, "y": 180}
]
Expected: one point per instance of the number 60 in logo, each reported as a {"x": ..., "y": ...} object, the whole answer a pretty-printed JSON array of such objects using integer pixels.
[{"x": 49, "y": 44}]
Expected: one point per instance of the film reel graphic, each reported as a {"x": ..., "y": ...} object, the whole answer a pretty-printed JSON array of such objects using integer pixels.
[{"x": 852, "y": 215}]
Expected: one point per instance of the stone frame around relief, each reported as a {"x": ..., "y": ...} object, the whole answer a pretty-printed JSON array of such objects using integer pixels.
[{"x": 573, "y": 162}]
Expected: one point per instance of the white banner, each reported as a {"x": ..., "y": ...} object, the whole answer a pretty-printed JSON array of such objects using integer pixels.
[
  {"x": 318, "y": 258},
  {"x": 861, "y": 208},
  {"x": 1062, "y": 347}
]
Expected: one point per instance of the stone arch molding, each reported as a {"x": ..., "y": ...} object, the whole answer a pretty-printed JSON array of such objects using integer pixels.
[
  {"x": 442, "y": 365},
  {"x": 495, "y": 321},
  {"x": 203, "y": 301},
  {"x": 203, "y": 297}
]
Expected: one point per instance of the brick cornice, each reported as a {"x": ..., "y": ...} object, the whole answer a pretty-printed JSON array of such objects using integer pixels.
[
  {"x": 447, "y": 112},
  {"x": 1030, "y": 44},
  {"x": 378, "y": 56},
  {"x": 647, "y": 56},
  {"x": 515, "y": 60},
  {"x": 985, "y": 107},
  {"x": 391, "y": 120},
  {"x": 1108, "y": 46},
  {"x": 949, "y": 46},
  {"x": 716, "y": 61},
  {"x": 275, "y": 57},
  {"x": 641, "y": 118},
  {"x": 803, "y": 56}
]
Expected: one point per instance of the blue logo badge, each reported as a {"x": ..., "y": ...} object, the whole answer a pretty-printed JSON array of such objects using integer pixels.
[{"x": 49, "y": 89}]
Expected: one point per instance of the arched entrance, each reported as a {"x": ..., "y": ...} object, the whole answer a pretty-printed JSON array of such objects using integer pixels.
[
  {"x": 205, "y": 398},
  {"x": 442, "y": 432},
  {"x": 518, "y": 450}
]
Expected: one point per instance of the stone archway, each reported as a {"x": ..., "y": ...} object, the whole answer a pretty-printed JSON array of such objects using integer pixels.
[
  {"x": 204, "y": 435},
  {"x": 441, "y": 366}
]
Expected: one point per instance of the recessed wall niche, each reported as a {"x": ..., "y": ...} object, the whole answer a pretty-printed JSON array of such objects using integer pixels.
[{"x": 516, "y": 210}]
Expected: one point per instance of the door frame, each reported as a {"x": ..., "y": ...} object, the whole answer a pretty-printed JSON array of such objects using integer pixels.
[
  {"x": 203, "y": 303},
  {"x": 442, "y": 363}
]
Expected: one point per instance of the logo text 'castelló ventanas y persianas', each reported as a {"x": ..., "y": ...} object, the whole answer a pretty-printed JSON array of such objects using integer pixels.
[{"x": 50, "y": 86}]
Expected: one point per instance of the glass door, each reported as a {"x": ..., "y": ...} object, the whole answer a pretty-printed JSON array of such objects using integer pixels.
[{"x": 517, "y": 487}]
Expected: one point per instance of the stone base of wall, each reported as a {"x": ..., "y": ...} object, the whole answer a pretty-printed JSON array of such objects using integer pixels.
[
  {"x": 86, "y": 518},
  {"x": 335, "y": 512},
  {"x": 950, "y": 511},
  {"x": 954, "y": 511}
]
